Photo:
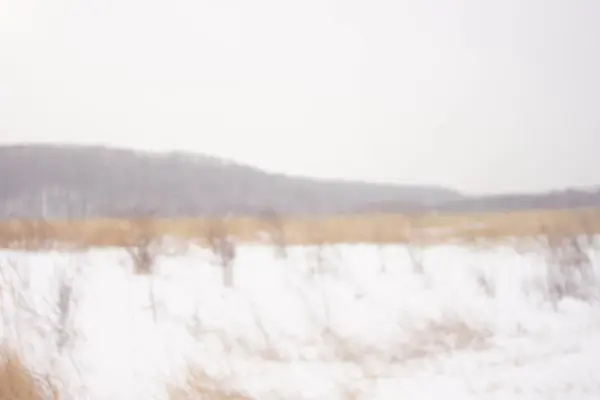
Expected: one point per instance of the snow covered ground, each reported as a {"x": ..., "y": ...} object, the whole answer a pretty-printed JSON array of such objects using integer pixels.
[{"x": 344, "y": 322}]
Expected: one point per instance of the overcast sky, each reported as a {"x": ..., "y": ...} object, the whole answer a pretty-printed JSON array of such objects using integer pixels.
[{"x": 482, "y": 96}]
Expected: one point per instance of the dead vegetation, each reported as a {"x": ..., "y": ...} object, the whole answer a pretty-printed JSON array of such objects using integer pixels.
[
  {"x": 276, "y": 231},
  {"x": 570, "y": 268},
  {"x": 28, "y": 234},
  {"x": 376, "y": 228},
  {"x": 142, "y": 243},
  {"x": 17, "y": 382},
  {"x": 440, "y": 337},
  {"x": 199, "y": 385},
  {"x": 565, "y": 238},
  {"x": 223, "y": 247}
]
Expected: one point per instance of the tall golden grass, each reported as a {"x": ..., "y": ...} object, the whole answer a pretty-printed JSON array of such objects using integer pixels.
[
  {"x": 372, "y": 228},
  {"x": 17, "y": 382}
]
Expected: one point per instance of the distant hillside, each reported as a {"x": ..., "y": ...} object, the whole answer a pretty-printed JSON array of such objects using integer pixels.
[{"x": 76, "y": 182}]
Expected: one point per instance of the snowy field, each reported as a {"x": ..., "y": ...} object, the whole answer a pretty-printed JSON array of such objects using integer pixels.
[{"x": 342, "y": 322}]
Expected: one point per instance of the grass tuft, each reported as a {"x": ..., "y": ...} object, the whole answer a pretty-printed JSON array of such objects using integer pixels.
[{"x": 200, "y": 386}]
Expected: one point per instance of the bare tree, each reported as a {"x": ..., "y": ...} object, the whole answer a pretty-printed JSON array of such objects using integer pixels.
[
  {"x": 319, "y": 244},
  {"x": 65, "y": 311},
  {"x": 379, "y": 239},
  {"x": 413, "y": 245},
  {"x": 223, "y": 247},
  {"x": 276, "y": 229},
  {"x": 141, "y": 242}
]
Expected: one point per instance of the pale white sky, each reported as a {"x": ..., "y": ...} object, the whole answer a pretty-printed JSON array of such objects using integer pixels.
[{"x": 482, "y": 96}]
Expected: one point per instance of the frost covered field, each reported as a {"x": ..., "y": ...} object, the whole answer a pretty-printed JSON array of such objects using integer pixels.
[{"x": 338, "y": 322}]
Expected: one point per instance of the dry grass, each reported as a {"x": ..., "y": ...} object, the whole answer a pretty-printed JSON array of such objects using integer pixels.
[
  {"x": 200, "y": 386},
  {"x": 18, "y": 383},
  {"x": 375, "y": 228}
]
